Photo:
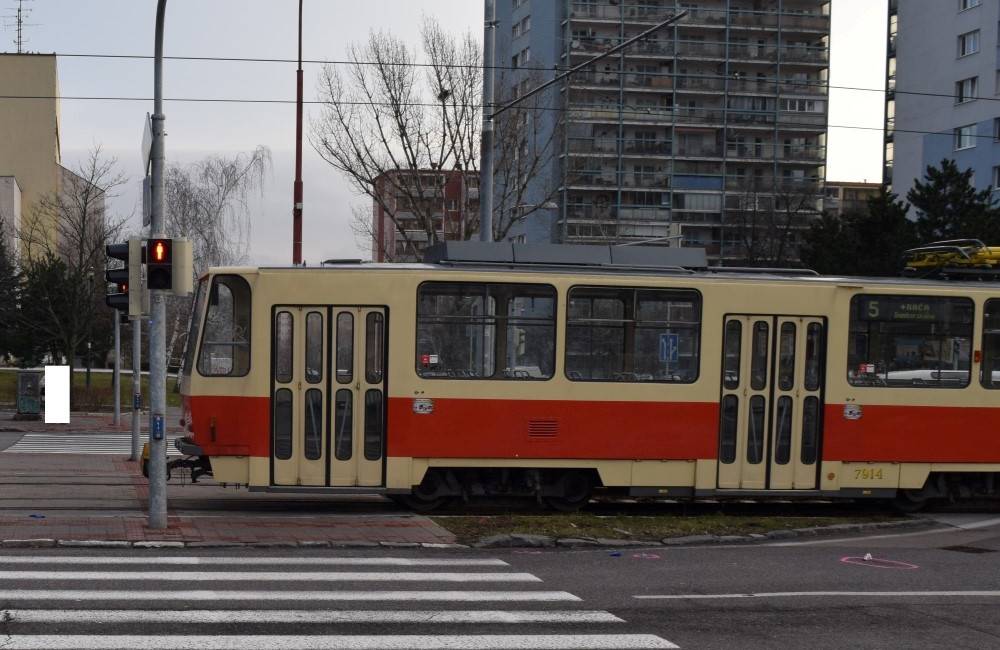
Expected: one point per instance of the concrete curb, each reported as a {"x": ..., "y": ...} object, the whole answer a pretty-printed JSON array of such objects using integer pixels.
[{"x": 493, "y": 541}]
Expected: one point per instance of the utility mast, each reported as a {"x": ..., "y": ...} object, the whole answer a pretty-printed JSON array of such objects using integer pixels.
[{"x": 18, "y": 22}]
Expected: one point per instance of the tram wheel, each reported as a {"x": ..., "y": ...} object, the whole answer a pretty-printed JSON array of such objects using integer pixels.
[
  {"x": 910, "y": 501},
  {"x": 576, "y": 493},
  {"x": 430, "y": 495}
]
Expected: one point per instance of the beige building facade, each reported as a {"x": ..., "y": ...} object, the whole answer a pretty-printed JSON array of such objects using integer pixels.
[{"x": 29, "y": 136}]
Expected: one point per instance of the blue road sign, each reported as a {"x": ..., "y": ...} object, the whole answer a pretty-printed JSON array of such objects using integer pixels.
[
  {"x": 156, "y": 431},
  {"x": 669, "y": 348}
]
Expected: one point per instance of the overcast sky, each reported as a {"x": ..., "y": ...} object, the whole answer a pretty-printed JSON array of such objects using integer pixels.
[{"x": 267, "y": 29}]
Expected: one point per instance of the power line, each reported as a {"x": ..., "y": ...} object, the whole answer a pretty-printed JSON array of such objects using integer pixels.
[{"x": 338, "y": 62}]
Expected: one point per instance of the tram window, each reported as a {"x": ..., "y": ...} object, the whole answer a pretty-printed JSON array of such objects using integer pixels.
[
  {"x": 814, "y": 353},
  {"x": 810, "y": 430},
  {"x": 225, "y": 345},
  {"x": 633, "y": 335},
  {"x": 283, "y": 424},
  {"x": 755, "y": 431},
  {"x": 990, "y": 376},
  {"x": 283, "y": 345},
  {"x": 194, "y": 327},
  {"x": 758, "y": 355},
  {"x": 345, "y": 348},
  {"x": 314, "y": 424},
  {"x": 373, "y": 425},
  {"x": 786, "y": 357},
  {"x": 314, "y": 347},
  {"x": 910, "y": 341},
  {"x": 343, "y": 424},
  {"x": 485, "y": 331},
  {"x": 783, "y": 442},
  {"x": 727, "y": 432},
  {"x": 734, "y": 340},
  {"x": 374, "y": 347}
]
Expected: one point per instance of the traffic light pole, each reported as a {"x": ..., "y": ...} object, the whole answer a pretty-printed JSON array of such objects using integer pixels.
[
  {"x": 116, "y": 379},
  {"x": 136, "y": 384},
  {"x": 157, "y": 299}
]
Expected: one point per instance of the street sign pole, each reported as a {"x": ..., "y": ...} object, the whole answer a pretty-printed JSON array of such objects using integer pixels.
[
  {"x": 136, "y": 384},
  {"x": 158, "y": 307}
]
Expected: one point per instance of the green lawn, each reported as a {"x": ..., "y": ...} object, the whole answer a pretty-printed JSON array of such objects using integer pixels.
[{"x": 100, "y": 397}]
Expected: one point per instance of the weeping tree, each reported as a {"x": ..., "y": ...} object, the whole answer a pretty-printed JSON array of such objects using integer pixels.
[
  {"x": 208, "y": 202},
  {"x": 398, "y": 129}
]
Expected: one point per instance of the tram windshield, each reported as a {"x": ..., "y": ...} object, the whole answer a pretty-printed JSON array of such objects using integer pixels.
[{"x": 194, "y": 323}]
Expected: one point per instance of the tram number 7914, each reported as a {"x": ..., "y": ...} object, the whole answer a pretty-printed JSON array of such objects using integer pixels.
[{"x": 868, "y": 474}]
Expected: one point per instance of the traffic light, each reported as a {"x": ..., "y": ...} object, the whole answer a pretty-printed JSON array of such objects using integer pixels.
[
  {"x": 169, "y": 265},
  {"x": 159, "y": 264},
  {"x": 130, "y": 295}
]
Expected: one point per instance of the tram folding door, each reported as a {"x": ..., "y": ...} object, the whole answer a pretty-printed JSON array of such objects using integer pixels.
[
  {"x": 769, "y": 431},
  {"x": 328, "y": 396}
]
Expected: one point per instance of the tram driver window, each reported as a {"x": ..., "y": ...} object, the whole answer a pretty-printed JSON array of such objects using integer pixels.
[
  {"x": 632, "y": 335},
  {"x": 991, "y": 346},
  {"x": 910, "y": 341},
  {"x": 485, "y": 331},
  {"x": 225, "y": 344}
]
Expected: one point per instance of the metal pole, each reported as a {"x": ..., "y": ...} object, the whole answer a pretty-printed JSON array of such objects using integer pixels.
[
  {"x": 158, "y": 306},
  {"x": 116, "y": 378},
  {"x": 486, "y": 173},
  {"x": 136, "y": 385},
  {"x": 297, "y": 191}
]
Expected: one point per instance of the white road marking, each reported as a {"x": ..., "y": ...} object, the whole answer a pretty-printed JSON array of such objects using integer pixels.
[
  {"x": 146, "y": 560},
  {"x": 58, "y": 443},
  {"x": 826, "y": 594},
  {"x": 204, "y": 616},
  {"x": 380, "y": 642},
  {"x": 9, "y": 596},
  {"x": 270, "y": 576}
]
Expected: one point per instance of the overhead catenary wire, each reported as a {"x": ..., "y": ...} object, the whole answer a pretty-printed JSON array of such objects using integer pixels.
[{"x": 345, "y": 62}]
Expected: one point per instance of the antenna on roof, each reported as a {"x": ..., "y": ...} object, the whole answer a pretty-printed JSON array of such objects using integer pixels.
[{"x": 17, "y": 21}]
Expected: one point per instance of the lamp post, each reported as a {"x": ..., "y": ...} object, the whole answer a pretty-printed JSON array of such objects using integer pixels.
[{"x": 297, "y": 190}]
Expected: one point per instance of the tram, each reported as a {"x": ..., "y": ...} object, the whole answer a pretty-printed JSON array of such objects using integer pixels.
[{"x": 555, "y": 372}]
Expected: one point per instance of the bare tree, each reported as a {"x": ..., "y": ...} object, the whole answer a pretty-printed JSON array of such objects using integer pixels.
[
  {"x": 64, "y": 258},
  {"x": 388, "y": 124},
  {"x": 207, "y": 202},
  {"x": 770, "y": 218}
]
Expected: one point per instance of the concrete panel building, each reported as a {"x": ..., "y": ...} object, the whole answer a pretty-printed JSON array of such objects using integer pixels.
[
  {"x": 943, "y": 80},
  {"x": 29, "y": 130},
  {"x": 676, "y": 136}
]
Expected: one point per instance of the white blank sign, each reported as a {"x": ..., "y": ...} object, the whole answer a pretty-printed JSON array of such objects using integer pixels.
[{"x": 57, "y": 394}]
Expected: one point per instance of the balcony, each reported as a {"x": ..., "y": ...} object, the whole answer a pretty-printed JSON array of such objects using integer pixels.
[
  {"x": 701, "y": 49},
  {"x": 802, "y": 119},
  {"x": 767, "y": 184},
  {"x": 630, "y": 80},
  {"x": 769, "y": 152},
  {"x": 706, "y": 83},
  {"x": 755, "y": 52},
  {"x": 644, "y": 147},
  {"x": 699, "y": 152},
  {"x": 806, "y": 55}
]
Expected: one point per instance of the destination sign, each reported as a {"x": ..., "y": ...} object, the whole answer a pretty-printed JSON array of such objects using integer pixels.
[{"x": 913, "y": 309}]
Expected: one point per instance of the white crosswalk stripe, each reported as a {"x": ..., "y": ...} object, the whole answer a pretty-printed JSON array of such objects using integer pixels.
[
  {"x": 118, "y": 444},
  {"x": 97, "y": 601}
]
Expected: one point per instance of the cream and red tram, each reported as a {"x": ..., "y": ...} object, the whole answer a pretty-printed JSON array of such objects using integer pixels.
[{"x": 457, "y": 379}]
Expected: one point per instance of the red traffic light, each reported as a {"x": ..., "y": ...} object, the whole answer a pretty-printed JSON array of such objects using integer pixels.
[
  {"x": 159, "y": 251},
  {"x": 159, "y": 266}
]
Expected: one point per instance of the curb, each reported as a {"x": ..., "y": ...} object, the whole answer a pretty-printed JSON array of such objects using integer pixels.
[
  {"x": 172, "y": 544},
  {"x": 544, "y": 541}
]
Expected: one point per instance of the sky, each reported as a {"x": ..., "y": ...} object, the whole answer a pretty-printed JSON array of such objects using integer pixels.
[{"x": 267, "y": 29}]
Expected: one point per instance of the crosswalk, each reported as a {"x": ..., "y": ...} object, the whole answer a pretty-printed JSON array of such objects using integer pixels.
[
  {"x": 119, "y": 443},
  {"x": 302, "y": 602}
]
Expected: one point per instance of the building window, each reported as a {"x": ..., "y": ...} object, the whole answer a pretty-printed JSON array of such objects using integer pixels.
[
  {"x": 966, "y": 90},
  {"x": 485, "y": 331},
  {"x": 910, "y": 341},
  {"x": 968, "y": 4},
  {"x": 965, "y": 137},
  {"x": 968, "y": 43},
  {"x": 632, "y": 335}
]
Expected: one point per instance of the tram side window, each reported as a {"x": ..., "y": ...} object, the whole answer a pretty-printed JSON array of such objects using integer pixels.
[
  {"x": 632, "y": 335},
  {"x": 990, "y": 377},
  {"x": 910, "y": 341},
  {"x": 225, "y": 344},
  {"x": 485, "y": 331}
]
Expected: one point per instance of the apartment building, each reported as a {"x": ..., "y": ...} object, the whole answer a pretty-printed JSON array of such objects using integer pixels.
[
  {"x": 419, "y": 203},
  {"x": 943, "y": 82},
  {"x": 685, "y": 132}
]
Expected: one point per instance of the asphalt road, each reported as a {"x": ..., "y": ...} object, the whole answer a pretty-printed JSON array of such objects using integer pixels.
[{"x": 935, "y": 588}]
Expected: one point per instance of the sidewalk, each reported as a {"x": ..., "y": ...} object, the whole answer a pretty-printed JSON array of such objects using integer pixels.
[
  {"x": 85, "y": 422},
  {"x": 62, "y": 499}
]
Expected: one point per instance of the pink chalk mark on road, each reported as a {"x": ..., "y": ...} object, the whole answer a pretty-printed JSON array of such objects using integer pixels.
[{"x": 878, "y": 563}]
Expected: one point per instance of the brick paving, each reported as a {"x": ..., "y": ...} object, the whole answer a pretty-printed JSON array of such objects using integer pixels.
[{"x": 93, "y": 497}]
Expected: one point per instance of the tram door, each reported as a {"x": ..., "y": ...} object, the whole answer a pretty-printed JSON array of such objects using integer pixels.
[
  {"x": 327, "y": 396},
  {"x": 769, "y": 431}
]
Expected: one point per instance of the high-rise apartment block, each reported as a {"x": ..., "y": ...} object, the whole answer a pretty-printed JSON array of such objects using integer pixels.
[
  {"x": 943, "y": 82},
  {"x": 685, "y": 134}
]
